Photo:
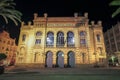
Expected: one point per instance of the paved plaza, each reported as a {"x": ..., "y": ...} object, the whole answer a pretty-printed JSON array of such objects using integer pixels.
[{"x": 111, "y": 73}]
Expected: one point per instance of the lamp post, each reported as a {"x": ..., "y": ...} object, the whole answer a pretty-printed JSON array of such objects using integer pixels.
[{"x": 45, "y": 16}]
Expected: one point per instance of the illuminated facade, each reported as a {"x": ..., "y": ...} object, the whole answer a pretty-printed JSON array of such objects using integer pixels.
[
  {"x": 8, "y": 46},
  {"x": 61, "y": 41}
]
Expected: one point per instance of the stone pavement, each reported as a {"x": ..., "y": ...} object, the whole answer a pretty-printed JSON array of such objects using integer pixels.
[
  {"x": 109, "y": 70},
  {"x": 18, "y": 73}
]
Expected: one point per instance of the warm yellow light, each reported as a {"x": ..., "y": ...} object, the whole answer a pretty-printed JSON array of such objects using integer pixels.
[{"x": 30, "y": 41}]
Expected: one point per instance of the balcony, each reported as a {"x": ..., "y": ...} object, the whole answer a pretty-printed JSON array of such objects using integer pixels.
[
  {"x": 49, "y": 45},
  {"x": 60, "y": 45},
  {"x": 70, "y": 45}
]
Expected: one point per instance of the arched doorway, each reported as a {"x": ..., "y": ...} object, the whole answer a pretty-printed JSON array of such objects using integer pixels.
[
  {"x": 49, "y": 59},
  {"x": 60, "y": 59},
  {"x": 71, "y": 59}
]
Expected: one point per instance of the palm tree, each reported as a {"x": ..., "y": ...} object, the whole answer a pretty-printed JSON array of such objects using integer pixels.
[
  {"x": 8, "y": 11},
  {"x": 115, "y": 3}
]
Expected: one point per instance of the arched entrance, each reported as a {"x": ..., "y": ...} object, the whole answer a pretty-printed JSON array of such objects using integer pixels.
[
  {"x": 71, "y": 59},
  {"x": 60, "y": 59},
  {"x": 49, "y": 59}
]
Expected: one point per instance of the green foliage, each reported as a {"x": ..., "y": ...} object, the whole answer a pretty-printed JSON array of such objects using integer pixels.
[
  {"x": 115, "y": 3},
  {"x": 2, "y": 56},
  {"x": 8, "y": 11}
]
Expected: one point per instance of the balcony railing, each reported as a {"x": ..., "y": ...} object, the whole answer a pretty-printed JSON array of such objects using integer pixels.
[
  {"x": 71, "y": 45},
  {"x": 49, "y": 45},
  {"x": 60, "y": 45}
]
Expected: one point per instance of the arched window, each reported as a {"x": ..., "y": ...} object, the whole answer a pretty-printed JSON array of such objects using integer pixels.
[
  {"x": 23, "y": 37},
  {"x": 70, "y": 39},
  {"x": 82, "y": 33},
  {"x": 60, "y": 39},
  {"x": 50, "y": 39},
  {"x": 98, "y": 37},
  {"x": 38, "y": 33},
  {"x": 82, "y": 38}
]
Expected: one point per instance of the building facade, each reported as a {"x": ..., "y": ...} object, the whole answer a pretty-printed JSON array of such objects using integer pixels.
[
  {"x": 112, "y": 40},
  {"x": 61, "y": 41},
  {"x": 8, "y": 46}
]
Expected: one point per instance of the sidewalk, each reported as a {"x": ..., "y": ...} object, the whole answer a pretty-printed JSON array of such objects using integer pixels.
[{"x": 110, "y": 70}]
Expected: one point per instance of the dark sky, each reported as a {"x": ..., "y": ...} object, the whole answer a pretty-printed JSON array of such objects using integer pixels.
[{"x": 97, "y": 10}]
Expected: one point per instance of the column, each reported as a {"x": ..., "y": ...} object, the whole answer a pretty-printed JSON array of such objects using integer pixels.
[
  {"x": 55, "y": 37},
  {"x": 65, "y": 39},
  {"x": 65, "y": 60},
  {"x": 54, "y": 59}
]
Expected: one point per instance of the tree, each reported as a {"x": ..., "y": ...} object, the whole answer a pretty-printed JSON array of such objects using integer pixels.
[
  {"x": 115, "y": 3},
  {"x": 2, "y": 56},
  {"x": 8, "y": 11}
]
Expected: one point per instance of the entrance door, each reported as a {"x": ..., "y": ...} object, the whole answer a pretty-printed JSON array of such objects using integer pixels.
[
  {"x": 71, "y": 59},
  {"x": 49, "y": 59},
  {"x": 60, "y": 59}
]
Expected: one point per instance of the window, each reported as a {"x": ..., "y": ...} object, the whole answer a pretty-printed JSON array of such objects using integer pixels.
[
  {"x": 82, "y": 38},
  {"x": 82, "y": 33},
  {"x": 82, "y": 42},
  {"x": 8, "y": 42},
  {"x": 70, "y": 39},
  {"x": 7, "y": 49},
  {"x": 60, "y": 39},
  {"x": 38, "y": 41},
  {"x": 38, "y": 33},
  {"x": 2, "y": 48},
  {"x": 50, "y": 39},
  {"x": 23, "y": 37},
  {"x": 98, "y": 37}
]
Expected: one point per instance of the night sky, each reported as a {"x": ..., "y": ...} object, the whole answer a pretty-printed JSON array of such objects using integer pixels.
[{"x": 97, "y": 10}]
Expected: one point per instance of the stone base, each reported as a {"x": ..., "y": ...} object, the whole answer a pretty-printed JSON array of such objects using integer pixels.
[
  {"x": 37, "y": 65},
  {"x": 30, "y": 65}
]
